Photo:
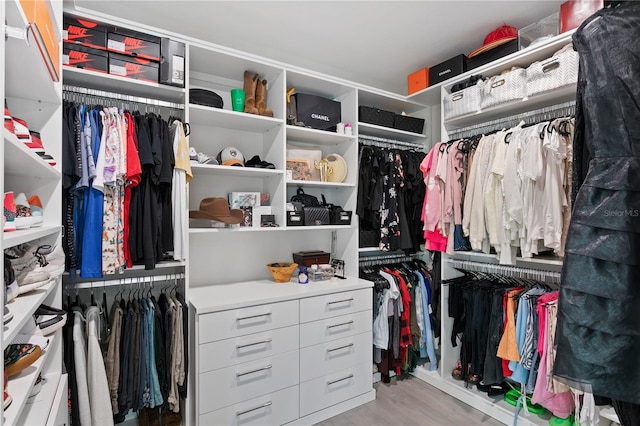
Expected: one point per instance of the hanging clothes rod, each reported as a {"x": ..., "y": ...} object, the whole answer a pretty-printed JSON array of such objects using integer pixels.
[
  {"x": 125, "y": 281},
  {"x": 530, "y": 117},
  {"x": 386, "y": 258},
  {"x": 511, "y": 271},
  {"x": 384, "y": 143},
  {"x": 66, "y": 89}
]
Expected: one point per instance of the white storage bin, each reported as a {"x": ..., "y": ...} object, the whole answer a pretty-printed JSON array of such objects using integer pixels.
[
  {"x": 504, "y": 88},
  {"x": 462, "y": 102},
  {"x": 557, "y": 71}
]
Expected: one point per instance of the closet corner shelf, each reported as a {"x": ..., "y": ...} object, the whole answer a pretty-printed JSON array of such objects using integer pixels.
[
  {"x": 22, "y": 308},
  {"x": 540, "y": 262},
  {"x": 215, "y": 169},
  {"x": 217, "y": 117},
  {"x": 21, "y": 385},
  {"x": 556, "y": 96},
  {"x": 26, "y": 75},
  {"x": 306, "y": 135},
  {"x": 318, "y": 184},
  {"x": 122, "y": 85},
  {"x": 237, "y": 229},
  {"x": 19, "y": 236},
  {"x": 33, "y": 414},
  {"x": 20, "y": 160},
  {"x": 431, "y": 96},
  {"x": 390, "y": 133}
]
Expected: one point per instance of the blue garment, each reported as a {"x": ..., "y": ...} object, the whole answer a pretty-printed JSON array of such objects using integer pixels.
[
  {"x": 144, "y": 387},
  {"x": 427, "y": 347},
  {"x": 91, "y": 266},
  {"x": 154, "y": 384},
  {"x": 520, "y": 374}
]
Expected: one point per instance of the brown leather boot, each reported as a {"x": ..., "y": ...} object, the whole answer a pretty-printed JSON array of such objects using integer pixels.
[
  {"x": 261, "y": 99},
  {"x": 250, "y": 93}
]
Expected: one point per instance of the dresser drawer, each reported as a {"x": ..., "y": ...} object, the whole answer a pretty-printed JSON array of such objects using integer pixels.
[
  {"x": 275, "y": 408},
  {"x": 335, "y": 304},
  {"x": 337, "y": 387},
  {"x": 226, "y": 386},
  {"x": 254, "y": 319},
  {"x": 330, "y": 357},
  {"x": 228, "y": 352},
  {"x": 312, "y": 333}
]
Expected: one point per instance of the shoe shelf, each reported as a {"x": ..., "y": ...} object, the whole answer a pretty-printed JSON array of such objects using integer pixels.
[
  {"x": 19, "y": 236},
  {"x": 20, "y": 386},
  {"x": 318, "y": 137},
  {"x": 319, "y": 184},
  {"x": 20, "y": 160},
  {"x": 214, "y": 169},
  {"x": 23, "y": 307},
  {"x": 26, "y": 75},
  {"x": 123, "y": 85},
  {"x": 217, "y": 117},
  {"x": 31, "y": 415}
]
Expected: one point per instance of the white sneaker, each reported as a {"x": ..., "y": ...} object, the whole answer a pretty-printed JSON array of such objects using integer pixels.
[
  {"x": 24, "y": 219},
  {"x": 33, "y": 339}
]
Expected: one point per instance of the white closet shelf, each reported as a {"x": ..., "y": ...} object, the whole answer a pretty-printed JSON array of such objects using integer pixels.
[
  {"x": 213, "y": 169},
  {"x": 369, "y": 249},
  {"x": 319, "y": 184},
  {"x": 552, "y": 262},
  {"x": 317, "y": 228},
  {"x": 31, "y": 415},
  {"x": 522, "y": 58},
  {"x": 216, "y": 117},
  {"x": 390, "y": 133},
  {"x": 26, "y": 75},
  {"x": 19, "y": 236},
  {"x": 267, "y": 229},
  {"x": 123, "y": 85},
  {"x": 387, "y": 101},
  {"x": 315, "y": 136},
  {"x": 20, "y": 160},
  {"x": 22, "y": 308},
  {"x": 496, "y": 408},
  {"x": 556, "y": 96},
  {"x": 21, "y": 385}
]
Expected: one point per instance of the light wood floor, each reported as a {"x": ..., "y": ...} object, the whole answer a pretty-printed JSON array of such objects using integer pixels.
[{"x": 410, "y": 401}]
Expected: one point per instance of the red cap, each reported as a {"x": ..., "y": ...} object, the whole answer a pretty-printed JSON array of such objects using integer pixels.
[{"x": 495, "y": 38}]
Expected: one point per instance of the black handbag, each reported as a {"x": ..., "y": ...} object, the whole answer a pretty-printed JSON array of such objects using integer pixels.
[
  {"x": 307, "y": 200},
  {"x": 337, "y": 215},
  {"x": 314, "y": 216}
]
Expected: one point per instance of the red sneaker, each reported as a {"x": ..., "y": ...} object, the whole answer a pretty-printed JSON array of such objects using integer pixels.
[{"x": 8, "y": 121}]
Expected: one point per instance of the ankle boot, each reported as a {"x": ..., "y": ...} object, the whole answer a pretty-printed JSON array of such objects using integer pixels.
[
  {"x": 261, "y": 99},
  {"x": 250, "y": 93}
]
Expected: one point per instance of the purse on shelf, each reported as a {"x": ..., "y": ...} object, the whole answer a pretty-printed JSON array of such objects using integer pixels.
[{"x": 307, "y": 200}]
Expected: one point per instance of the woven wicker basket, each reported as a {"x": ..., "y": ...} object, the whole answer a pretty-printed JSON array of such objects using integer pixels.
[{"x": 282, "y": 271}]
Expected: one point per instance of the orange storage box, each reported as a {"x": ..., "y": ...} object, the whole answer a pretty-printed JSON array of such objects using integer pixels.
[{"x": 417, "y": 81}]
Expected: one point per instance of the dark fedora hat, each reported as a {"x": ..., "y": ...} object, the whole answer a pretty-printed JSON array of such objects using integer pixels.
[{"x": 216, "y": 208}]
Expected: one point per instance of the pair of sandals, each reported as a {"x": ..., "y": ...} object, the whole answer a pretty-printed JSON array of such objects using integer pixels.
[
  {"x": 513, "y": 395},
  {"x": 458, "y": 374},
  {"x": 255, "y": 161}
]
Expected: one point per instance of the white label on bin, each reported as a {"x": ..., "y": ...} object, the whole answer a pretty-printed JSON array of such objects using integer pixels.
[
  {"x": 117, "y": 70},
  {"x": 65, "y": 35},
  {"x": 65, "y": 59},
  {"x": 116, "y": 45},
  {"x": 178, "y": 70}
]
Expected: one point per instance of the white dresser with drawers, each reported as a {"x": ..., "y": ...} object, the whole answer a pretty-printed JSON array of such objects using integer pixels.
[{"x": 264, "y": 353}]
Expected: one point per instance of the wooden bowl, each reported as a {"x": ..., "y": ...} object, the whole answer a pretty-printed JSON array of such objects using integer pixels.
[{"x": 282, "y": 271}]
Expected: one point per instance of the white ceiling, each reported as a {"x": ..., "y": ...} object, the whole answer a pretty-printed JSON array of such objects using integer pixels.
[{"x": 375, "y": 43}]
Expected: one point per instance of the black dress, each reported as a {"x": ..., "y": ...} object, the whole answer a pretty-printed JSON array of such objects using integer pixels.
[{"x": 598, "y": 330}]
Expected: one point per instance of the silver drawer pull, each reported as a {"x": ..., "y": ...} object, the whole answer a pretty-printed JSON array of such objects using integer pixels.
[
  {"x": 253, "y": 344},
  {"x": 340, "y": 347},
  {"x": 342, "y": 323},
  {"x": 253, "y": 371},
  {"x": 339, "y": 380},
  {"x": 239, "y": 413},
  {"x": 340, "y": 301},
  {"x": 253, "y": 316}
]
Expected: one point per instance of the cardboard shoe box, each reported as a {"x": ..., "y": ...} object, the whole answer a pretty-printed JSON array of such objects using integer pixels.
[
  {"x": 417, "y": 81},
  {"x": 135, "y": 68},
  {"x": 318, "y": 112},
  {"x": 79, "y": 56},
  {"x": 447, "y": 69},
  {"x": 84, "y": 32},
  {"x": 172, "y": 62},
  {"x": 134, "y": 43}
]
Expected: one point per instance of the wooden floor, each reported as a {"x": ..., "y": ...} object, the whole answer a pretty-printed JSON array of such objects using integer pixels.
[{"x": 410, "y": 401}]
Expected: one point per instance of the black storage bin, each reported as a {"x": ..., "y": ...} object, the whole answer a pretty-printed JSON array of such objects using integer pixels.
[
  {"x": 492, "y": 54},
  {"x": 342, "y": 217},
  {"x": 447, "y": 69},
  {"x": 375, "y": 116},
  {"x": 294, "y": 218},
  {"x": 368, "y": 238},
  {"x": 408, "y": 124}
]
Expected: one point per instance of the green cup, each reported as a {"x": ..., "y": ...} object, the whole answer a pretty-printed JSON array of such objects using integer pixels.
[{"x": 237, "y": 100}]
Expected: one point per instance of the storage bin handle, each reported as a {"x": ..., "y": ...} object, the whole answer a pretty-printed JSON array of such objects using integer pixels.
[
  {"x": 457, "y": 97},
  {"x": 265, "y": 405},
  {"x": 497, "y": 83},
  {"x": 555, "y": 64}
]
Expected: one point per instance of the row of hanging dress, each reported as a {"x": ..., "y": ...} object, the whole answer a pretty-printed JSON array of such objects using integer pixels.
[
  {"x": 120, "y": 201},
  {"x": 403, "y": 325},
  {"x": 506, "y": 327},
  {"x": 500, "y": 192},
  {"x": 390, "y": 192},
  {"x": 131, "y": 357}
]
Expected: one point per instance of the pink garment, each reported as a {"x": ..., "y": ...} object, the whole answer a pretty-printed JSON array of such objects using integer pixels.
[
  {"x": 431, "y": 207},
  {"x": 435, "y": 241},
  {"x": 453, "y": 186}
]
